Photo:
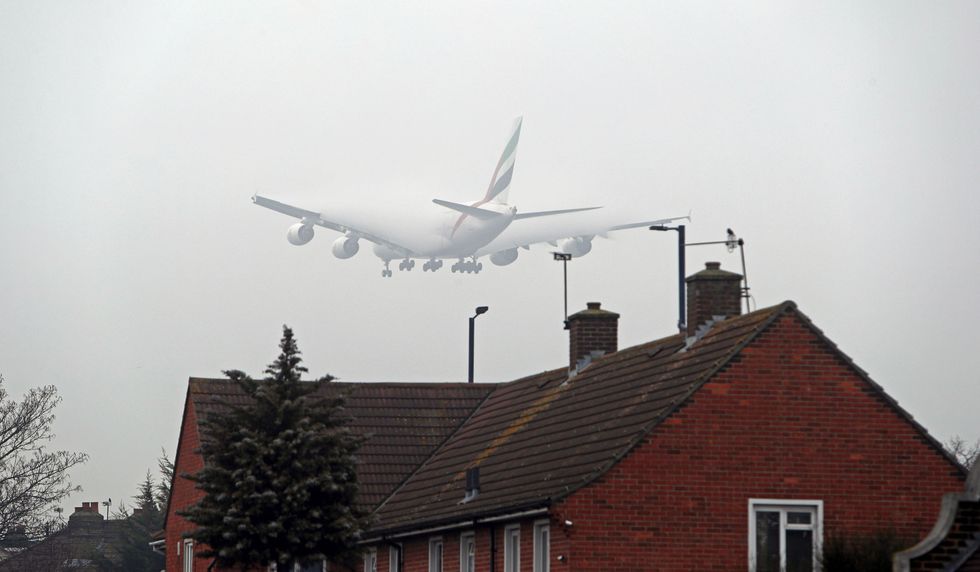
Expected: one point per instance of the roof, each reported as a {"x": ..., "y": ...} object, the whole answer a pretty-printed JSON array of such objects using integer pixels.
[
  {"x": 88, "y": 542},
  {"x": 540, "y": 438},
  {"x": 404, "y": 422}
]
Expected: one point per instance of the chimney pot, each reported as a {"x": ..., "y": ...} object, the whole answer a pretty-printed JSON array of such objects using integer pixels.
[
  {"x": 593, "y": 305},
  {"x": 712, "y": 265}
]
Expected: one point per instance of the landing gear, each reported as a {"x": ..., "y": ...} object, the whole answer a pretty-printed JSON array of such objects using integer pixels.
[
  {"x": 407, "y": 264},
  {"x": 386, "y": 273},
  {"x": 433, "y": 265},
  {"x": 470, "y": 267}
]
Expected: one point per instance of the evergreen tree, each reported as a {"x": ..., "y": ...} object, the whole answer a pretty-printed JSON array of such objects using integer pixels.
[{"x": 279, "y": 477}]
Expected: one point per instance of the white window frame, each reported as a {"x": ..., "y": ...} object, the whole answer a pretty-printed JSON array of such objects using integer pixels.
[
  {"x": 542, "y": 549},
  {"x": 371, "y": 560},
  {"x": 395, "y": 557},
  {"x": 512, "y": 540},
  {"x": 783, "y": 506},
  {"x": 436, "y": 549},
  {"x": 465, "y": 539},
  {"x": 188, "y": 557}
]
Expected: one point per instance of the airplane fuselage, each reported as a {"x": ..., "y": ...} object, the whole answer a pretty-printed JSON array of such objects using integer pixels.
[{"x": 457, "y": 235}]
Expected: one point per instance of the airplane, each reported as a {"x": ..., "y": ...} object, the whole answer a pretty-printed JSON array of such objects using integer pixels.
[{"x": 461, "y": 232}]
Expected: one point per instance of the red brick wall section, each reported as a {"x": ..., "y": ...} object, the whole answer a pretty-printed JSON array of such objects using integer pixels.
[
  {"x": 788, "y": 420},
  {"x": 184, "y": 494},
  {"x": 416, "y": 549}
]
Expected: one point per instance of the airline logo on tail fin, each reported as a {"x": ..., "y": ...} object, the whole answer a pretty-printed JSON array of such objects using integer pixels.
[{"x": 500, "y": 183}]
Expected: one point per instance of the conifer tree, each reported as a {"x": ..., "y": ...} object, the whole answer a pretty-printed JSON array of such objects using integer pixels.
[{"x": 279, "y": 476}]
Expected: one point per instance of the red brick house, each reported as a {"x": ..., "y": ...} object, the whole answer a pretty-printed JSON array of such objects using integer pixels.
[{"x": 739, "y": 445}]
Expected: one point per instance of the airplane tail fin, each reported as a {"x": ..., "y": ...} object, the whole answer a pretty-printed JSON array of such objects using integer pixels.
[{"x": 500, "y": 183}]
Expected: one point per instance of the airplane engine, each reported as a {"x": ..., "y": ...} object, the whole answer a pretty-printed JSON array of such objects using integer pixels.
[
  {"x": 345, "y": 247},
  {"x": 299, "y": 234},
  {"x": 576, "y": 246},
  {"x": 504, "y": 257}
]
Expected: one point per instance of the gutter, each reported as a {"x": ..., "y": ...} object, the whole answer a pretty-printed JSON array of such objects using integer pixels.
[{"x": 457, "y": 525}]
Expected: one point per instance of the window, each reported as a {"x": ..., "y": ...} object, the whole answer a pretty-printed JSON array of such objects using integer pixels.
[
  {"x": 371, "y": 560},
  {"x": 395, "y": 558},
  {"x": 188, "y": 556},
  {"x": 784, "y": 535},
  {"x": 512, "y": 548},
  {"x": 467, "y": 552},
  {"x": 435, "y": 555},
  {"x": 542, "y": 548}
]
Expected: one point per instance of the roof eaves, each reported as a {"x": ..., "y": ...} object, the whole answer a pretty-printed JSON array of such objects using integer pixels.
[{"x": 475, "y": 517}]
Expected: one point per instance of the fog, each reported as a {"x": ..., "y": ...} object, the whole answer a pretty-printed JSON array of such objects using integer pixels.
[{"x": 839, "y": 139}]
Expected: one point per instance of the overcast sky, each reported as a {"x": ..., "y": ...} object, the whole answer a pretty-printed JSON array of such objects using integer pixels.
[{"x": 840, "y": 139}]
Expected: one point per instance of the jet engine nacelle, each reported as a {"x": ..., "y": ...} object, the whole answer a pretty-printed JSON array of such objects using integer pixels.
[
  {"x": 345, "y": 247},
  {"x": 504, "y": 257},
  {"x": 299, "y": 234},
  {"x": 576, "y": 246}
]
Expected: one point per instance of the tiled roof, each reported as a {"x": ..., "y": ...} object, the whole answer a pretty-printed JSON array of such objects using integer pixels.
[
  {"x": 540, "y": 438},
  {"x": 87, "y": 543},
  {"x": 404, "y": 422}
]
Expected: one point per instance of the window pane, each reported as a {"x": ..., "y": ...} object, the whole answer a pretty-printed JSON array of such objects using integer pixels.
[
  {"x": 767, "y": 541},
  {"x": 799, "y": 551},
  {"x": 798, "y": 518}
]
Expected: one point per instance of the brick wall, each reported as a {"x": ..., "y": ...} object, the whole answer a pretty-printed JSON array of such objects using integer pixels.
[
  {"x": 965, "y": 529},
  {"x": 416, "y": 549},
  {"x": 183, "y": 495},
  {"x": 787, "y": 420}
]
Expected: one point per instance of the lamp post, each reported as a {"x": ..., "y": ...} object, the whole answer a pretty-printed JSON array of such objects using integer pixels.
[
  {"x": 681, "y": 320},
  {"x": 479, "y": 310},
  {"x": 564, "y": 257}
]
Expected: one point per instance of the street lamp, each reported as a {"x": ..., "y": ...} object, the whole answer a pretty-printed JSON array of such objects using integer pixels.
[
  {"x": 564, "y": 257},
  {"x": 479, "y": 310}
]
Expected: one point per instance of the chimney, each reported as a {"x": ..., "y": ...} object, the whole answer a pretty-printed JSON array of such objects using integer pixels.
[
  {"x": 88, "y": 511},
  {"x": 591, "y": 330},
  {"x": 712, "y": 292}
]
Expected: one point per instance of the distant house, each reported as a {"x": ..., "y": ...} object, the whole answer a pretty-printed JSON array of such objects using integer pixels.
[
  {"x": 88, "y": 542},
  {"x": 738, "y": 445},
  {"x": 954, "y": 542}
]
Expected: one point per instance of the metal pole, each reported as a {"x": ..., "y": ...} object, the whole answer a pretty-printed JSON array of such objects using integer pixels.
[
  {"x": 470, "y": 377},
  {"x": 564, "y": 263},
  {"x": 745, "y": 275},
  {"x": 681, "y": 271}
]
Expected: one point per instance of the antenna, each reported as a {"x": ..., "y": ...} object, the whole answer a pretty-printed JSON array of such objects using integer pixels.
[{"x": 731, "y": 242}]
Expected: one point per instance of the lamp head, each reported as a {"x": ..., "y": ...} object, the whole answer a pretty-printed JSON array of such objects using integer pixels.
[{"x": 481, "y": 310}]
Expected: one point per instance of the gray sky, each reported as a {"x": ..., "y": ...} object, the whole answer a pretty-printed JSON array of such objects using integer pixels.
[{"x": 840, "y": 139}]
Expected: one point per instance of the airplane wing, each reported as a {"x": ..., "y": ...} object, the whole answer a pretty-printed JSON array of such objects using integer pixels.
[
  {"x": 316, "y": 218},
  {"x": 524, "y": 233}
]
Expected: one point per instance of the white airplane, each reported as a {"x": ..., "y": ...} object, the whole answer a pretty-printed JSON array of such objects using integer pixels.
[{"x": 461, "y": 232}]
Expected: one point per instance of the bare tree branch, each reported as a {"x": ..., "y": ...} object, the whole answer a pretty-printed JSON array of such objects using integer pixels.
[
  {"x": 32, "y": 478},
  {"x": 965, "y": 453}
]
